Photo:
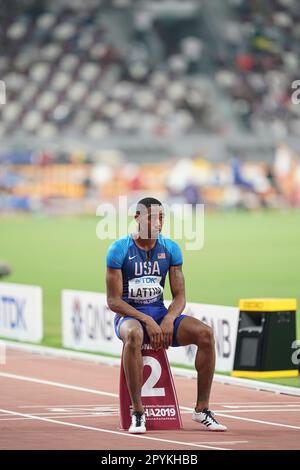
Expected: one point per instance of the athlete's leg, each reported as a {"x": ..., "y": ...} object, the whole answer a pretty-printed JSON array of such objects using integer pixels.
[
  {"x": 193, "y": 331},
  {"x": 132, "y": 334}
]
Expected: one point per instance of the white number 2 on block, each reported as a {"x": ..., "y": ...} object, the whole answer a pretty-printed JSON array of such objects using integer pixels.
[{"x": 148, "y": 389}]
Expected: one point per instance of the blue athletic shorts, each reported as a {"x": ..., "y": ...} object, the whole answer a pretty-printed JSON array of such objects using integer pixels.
[{"x": 119, "y": 320}]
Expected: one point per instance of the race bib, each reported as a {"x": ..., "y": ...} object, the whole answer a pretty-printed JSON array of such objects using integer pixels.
[{"x": 145, "y": 289}]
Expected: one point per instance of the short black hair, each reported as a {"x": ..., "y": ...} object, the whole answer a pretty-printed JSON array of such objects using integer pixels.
[{"x": 147, "y": 202}]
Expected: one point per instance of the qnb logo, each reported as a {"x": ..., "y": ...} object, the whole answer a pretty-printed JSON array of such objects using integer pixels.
[
  {"x": 12, "y": 313},
  {"x": 77, "y": 319},
  {"x": 296, "y": 353},
  {"x": 91, "y": 322},
  {"x": 2, "y": 92},
  {"x": 98, "y": 322},
  {"x": 222, "y": 334}
]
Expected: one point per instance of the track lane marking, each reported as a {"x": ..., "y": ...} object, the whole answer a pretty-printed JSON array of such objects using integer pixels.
[
  {"x": 227, "y": 442},
  {"x": 57, "y": 417},
  {"x": 108, "y": 431},
  {"x": 57, "y": 384},
  {"x": 277, "y": 405},
  {"x": 98, "y": 392},
  {"x": 225, "y": 415},
  {"x": 68, "y": 405},
  {"x": 260, "y": 410},
  {"x": 271, "y": 423}
]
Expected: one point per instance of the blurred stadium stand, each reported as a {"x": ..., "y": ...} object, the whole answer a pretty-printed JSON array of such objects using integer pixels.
[
  {"x": 101, "y": 70},
  {"x": 96, "y": 89}
]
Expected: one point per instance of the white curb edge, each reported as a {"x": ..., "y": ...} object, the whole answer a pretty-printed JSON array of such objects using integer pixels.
[{"x": 97, "y": 358}]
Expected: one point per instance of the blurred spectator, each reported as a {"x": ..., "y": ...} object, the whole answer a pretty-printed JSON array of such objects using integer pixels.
[{"x": 106, "y": 175}]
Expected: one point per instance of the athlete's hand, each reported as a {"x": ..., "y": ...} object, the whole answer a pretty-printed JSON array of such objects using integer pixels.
[
  {"x": 154, "y": 333},
  {"x": 167, "y": 328}
]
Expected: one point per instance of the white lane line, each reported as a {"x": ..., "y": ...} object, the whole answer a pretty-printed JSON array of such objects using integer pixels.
[
  {"x": 275, "y": 405},
  {"x": 255, "y": 403},
  {"x": 98, "y": 392},
  {"x": 46, "y": 352},
  {"x": 108, "y": 431},
  {"x": 98, "y": 404},
  {"x": 57, "y": 384},
  {"x": 69, "y": 405},
  {"x": 98, "y": 409},
  {"x": 102, "y": 410},
  {"x": 72, "y": 413},
  {"x": 271, "y": 423},
  {"x": 184, "y": 410},
  {"x": 58, "y": 417},
  {"x": 259, "y": 410},
  {"x": 244, "y": 403},
  {"x": 226, "y": 442}
]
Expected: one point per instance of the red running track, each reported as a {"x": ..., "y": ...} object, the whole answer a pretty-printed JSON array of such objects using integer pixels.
[{"x": 55, "y": 403}]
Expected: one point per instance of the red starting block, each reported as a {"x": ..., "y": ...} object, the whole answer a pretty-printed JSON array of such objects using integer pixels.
[{"x": 158, "y": 393}]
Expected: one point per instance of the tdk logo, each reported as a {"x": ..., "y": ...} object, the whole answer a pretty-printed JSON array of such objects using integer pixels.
[{"x": 12, "y": 313}]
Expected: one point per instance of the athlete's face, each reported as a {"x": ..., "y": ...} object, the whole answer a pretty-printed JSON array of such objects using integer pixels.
[{"x": 150, "y": 221}]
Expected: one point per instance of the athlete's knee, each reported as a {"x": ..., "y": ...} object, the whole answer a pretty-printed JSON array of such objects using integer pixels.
[
  {"x": 133, "y": 337},
  {"x": 205, "y": 336}
]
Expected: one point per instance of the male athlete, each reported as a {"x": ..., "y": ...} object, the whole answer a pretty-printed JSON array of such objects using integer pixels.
[{"x": 137, "y": 266}]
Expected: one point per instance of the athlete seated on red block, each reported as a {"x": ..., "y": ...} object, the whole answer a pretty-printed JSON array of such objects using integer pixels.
[{"x": 137, "y": 266}]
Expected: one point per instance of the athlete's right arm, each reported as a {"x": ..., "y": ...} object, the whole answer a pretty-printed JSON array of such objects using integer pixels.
[{"x": 114, "y": 290}]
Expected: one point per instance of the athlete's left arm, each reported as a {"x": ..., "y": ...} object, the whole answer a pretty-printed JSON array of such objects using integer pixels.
[
  {"x": 177, "y": 305},
  {"x": 176, "y": 279}
]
